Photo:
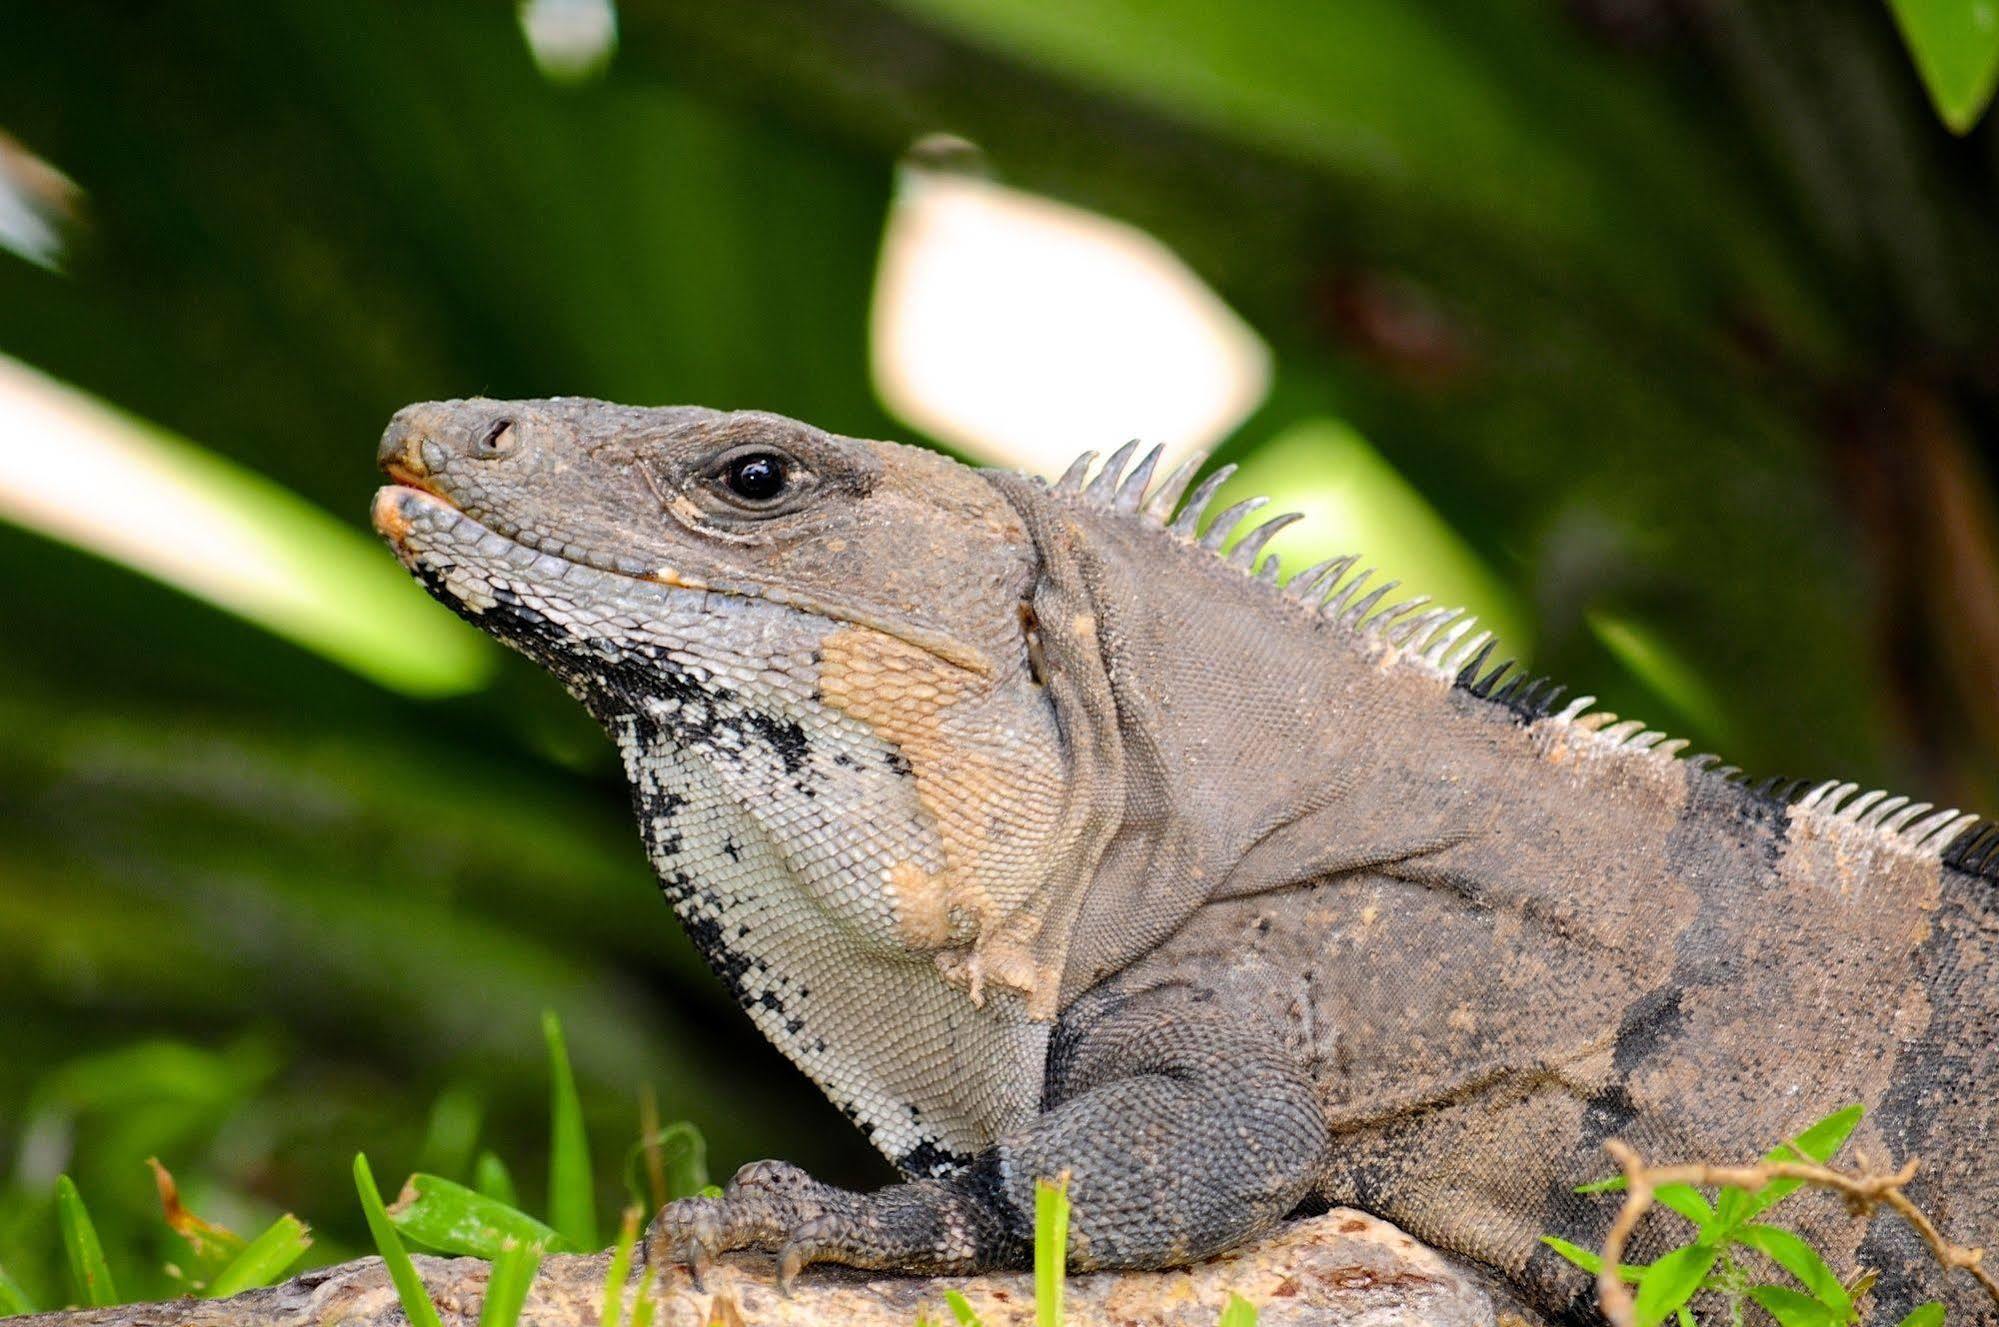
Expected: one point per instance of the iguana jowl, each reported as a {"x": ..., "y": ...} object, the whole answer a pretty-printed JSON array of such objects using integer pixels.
[{"x": 1045, "y": 837}]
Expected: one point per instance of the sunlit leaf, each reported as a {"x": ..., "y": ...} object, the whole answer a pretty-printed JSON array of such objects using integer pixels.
[
  {"x": 444, "y": 1215},
  {"x": 1924, "y": 1315},
  {"x": 80, "y": 471},
  {"x": 1956, "y": 48},
  {"x": 264, "y": 1259}
]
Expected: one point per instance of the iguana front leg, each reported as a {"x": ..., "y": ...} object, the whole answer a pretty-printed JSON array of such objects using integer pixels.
[{"x": 1183, "y": 1131}]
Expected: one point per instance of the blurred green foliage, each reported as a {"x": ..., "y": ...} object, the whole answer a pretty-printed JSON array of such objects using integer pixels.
[{"x": 1665, "y": 327}]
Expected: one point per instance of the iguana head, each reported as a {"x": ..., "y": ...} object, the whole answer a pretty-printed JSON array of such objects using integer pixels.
[{"x": 810, "y": 648}]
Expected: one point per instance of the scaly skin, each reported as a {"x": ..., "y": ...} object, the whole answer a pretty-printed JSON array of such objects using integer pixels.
[{"x": 1047, "y": 840}]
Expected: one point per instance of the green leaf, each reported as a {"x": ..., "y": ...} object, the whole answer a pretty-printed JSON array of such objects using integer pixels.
[
  {"x": 491, "y": 1177},
  {"x": 1672, "y": 1281},
  {"x": 1615, "y": 1184},
  {"x": 684, "y": 1155},
  {"x": 619, "y": 1270},
  {"x": 1792, "y": 1309},
  {"x": 409, "y": 1286},
  {"x": 263, "y": 1259},
  {"x": 507, "y": 1285},
  {"x": 1238, "y": 1312},
  {"x": 13, "y": 1299},
  {"x": 452, "y": 1133},
  {"x": 1956, "y": 47},
  {"x": 572, "y": 1197},
  {"x": 1924, "y": 1315},
  {"x": 1819, "y": 1142},
  {"x": 1687, "y": 1201},
  {"x": 961, "y": 1309},
  {"x": 1592, "y": 1262},
  {"x": 642, "y": 1300},
  {"x": 1816, "y": 1145},
  {"x": 446, "y": 1216},
  {"x": 1051, "y": 1249},
  {"x": 1651, "y": 659},
  {"x": 1792, "y": 1253},
  {"x": 88, "y": 1272}
]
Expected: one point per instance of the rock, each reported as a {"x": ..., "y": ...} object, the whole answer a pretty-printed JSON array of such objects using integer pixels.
[{"x": 1344, "y": 1269}]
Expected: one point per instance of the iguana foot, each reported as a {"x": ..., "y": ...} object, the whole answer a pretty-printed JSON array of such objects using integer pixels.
[{"x": 931, "y": 1227}]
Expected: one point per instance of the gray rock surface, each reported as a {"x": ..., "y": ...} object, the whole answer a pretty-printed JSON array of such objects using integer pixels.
[{"x": 1344, "y": 1269}]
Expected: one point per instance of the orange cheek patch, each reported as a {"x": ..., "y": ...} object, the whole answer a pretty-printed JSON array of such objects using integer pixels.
[{"x": 994, "y": 800}]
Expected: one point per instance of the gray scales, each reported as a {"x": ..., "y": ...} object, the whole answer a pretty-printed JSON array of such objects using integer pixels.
[{"x": 1047, "y": 837}]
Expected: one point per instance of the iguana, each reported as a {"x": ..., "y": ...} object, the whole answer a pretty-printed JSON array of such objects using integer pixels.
[{"x": 1049, "y": 837}]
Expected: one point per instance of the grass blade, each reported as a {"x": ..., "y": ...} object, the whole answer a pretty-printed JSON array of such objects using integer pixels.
[
  {"x": 88, "y": 1271},
  {"x": 13, "y": 1299},
  {"x": 1051, "y": 1249},
  {"x": 1238, "y": 1312},
  {"x": 620, "y": 1269},
  {"x": 409, "y": 1286},
  {"x": 674, "y": 1162},
  {"x": 1924, "y": 1315},
  {"x": 491, "y": 1178},
  {"x": 642, "y": 1303},
  {"x": 507, "y": 1285},
  {"x": 450, "y": 1218},
  {"x": 572, "y": 1198},
  {"x": 961, "y": 1309},
  {"x": 263, "y": 1259}
]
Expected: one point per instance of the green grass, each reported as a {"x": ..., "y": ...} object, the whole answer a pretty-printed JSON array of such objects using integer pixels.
[
  {"x": 264, "y": 1259},
  {"x": 89, "y": 1274},
  {"x": 484, "y": 1220},
  {"x": 572, "y": 1193},
  {"x": 409, "y": 1286}
]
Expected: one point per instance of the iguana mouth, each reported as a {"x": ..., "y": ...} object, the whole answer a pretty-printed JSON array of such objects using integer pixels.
[{"x": 391, "y": 514}]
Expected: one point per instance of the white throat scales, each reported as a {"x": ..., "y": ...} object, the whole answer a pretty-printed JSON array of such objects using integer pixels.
[{"x": 773, "y": 821}]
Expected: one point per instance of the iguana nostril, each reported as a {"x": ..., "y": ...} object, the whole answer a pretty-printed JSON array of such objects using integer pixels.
[{"x": 497, "y": 440}]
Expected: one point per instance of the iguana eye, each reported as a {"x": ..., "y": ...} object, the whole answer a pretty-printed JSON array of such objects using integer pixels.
[{"x": 758, "y": 477}]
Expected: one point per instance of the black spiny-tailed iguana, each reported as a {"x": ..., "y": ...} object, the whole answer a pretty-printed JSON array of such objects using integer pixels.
[{"x": 1046, "y": 837}]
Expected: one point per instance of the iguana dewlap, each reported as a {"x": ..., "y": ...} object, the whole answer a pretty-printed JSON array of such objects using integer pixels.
[{"x": 1047, "y": 838}]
